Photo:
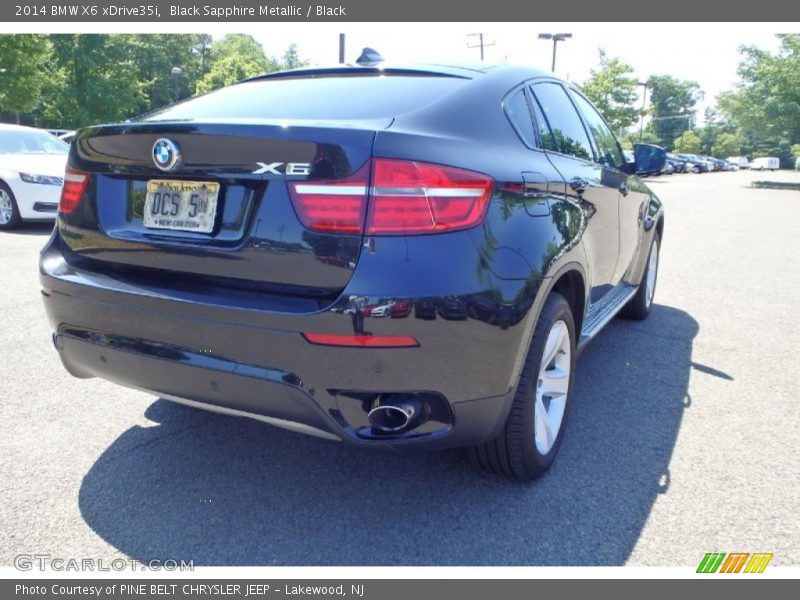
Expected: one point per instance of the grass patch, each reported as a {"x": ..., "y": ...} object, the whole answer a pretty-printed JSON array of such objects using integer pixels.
[{"x": 777, "y": 185}]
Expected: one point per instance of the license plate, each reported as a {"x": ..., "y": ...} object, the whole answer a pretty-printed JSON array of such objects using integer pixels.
[{"x": 181, "y": 205}]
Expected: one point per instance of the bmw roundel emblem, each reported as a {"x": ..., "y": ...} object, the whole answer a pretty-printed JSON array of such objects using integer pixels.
[{"x": 166, "y": 154}]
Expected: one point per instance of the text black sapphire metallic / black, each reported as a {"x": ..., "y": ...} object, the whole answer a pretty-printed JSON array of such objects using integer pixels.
[{"x": 406, "y": 257}]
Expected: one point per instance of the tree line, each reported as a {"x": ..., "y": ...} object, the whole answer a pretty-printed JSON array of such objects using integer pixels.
[
  {"x": 759, "y": 117},
  {"x": 71, "y": 80}
]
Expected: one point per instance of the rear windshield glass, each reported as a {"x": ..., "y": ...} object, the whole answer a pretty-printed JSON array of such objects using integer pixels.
[{"x": 353, "y": 97}]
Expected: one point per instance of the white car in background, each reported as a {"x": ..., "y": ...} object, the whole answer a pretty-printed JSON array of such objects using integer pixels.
[
  {"x": 32, "y": 164},
  {"x": 763, "y": 163}
]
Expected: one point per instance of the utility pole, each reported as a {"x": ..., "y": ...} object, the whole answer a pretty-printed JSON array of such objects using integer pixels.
[
  {"x": 556, "y": 37},
  {"x": 481, "y": 44},
  {"x": 341, "y": 48},
  {"x": 643, "y": 84}
]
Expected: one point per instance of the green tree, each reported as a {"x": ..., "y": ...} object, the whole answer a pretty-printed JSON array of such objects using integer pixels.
[
  {"x": 233, "y": 58},
  {"x": 728, "y": 144},
  {"x": 672, "y": 103},
  {"x": 634, "y": 137},
  {"x": 612, "y": 88},
  {"x": 227, "y": 70},
  {"x": 796, "y": 150},
  {"x": 291, "y": 58},
  {"x": 21, "y": 73},
  {"x": 156, "y": 56},
  {"x": 766, "y": 102},
  {"x": 94, "y": 80},
  {"x": 687, "y": 142}
]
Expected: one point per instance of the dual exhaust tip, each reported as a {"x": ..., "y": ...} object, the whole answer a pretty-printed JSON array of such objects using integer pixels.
[{"x": 395, "y": 413}]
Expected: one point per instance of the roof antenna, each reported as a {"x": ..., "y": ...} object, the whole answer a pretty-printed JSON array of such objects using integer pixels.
[{"x": 369, "y": 58}]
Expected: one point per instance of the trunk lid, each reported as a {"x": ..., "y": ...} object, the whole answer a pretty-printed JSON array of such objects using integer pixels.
[{"x": 256, "y": 240}]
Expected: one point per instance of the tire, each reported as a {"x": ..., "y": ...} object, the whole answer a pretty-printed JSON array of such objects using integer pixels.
[
  {"x": 639, "y": 306},
  {"x": 9, "y": 211},
  {"x": 522, "y": 450}
]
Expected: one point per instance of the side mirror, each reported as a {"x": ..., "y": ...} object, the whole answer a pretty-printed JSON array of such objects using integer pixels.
[{"x": 649, "y": 158}]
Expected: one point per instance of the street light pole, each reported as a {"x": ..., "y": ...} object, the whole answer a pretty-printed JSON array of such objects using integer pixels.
[
  {"x": 641, "y": 118},
  {"x": 556, "y": 37}
]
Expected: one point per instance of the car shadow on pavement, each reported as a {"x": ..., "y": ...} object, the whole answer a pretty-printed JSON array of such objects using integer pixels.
[{"x": 221, "y": 490}]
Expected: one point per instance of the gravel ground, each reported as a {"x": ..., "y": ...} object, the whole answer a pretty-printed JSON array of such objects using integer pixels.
[{"x": 683, "y": 438}]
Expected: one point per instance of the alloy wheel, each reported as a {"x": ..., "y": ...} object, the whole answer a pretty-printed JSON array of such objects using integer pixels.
[
  {"x": 6, "y": 208},
  {"x": 652, "y": 273},
  {"x": 552, "y": 387}
]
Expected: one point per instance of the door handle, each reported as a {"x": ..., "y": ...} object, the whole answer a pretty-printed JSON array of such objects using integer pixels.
[
  {"x": 623, "y": 189},
  {"x": 578, "y": 184}
]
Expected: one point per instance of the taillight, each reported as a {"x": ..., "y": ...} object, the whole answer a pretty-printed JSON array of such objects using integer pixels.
[
  {"x": 75, "y": 183},
  {"x": 332, "y": 206},
  {"x": 404, "y": 198},
  {"x": 409, "y": 197}
]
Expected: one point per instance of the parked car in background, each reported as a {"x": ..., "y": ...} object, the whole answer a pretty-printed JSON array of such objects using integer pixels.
[
  {"x": 32, "y": 164},
  {"x": 58, "y": 132},
  {"x": 739, "y": 161},
  {"x": 730, "y": 166},
  {"x": 765, "y": 163},
  {"x": 67, "y": 136},
  {"x": 678, "y": 164},
  {"x": 714, "y": 164},
  {"x": 711, "y": 165},
  {"x": 719, "y": 164},
  {"x": 694, "y": 164}
]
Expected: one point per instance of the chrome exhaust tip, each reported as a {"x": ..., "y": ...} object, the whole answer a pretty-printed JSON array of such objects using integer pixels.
[{"x": 394, "y": 414}]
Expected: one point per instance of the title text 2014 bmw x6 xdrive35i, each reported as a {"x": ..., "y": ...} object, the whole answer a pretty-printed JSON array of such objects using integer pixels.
[{"x": 393, "y": 257}]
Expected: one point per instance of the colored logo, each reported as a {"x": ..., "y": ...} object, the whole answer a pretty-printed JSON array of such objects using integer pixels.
[
  {"x": 734, "y": 562},
  {"x": 166, "y": 154}
]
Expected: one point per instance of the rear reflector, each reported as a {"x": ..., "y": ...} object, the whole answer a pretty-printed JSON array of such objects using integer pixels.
[
  {"x": 404, "y": 197},
  {"x": 362, "y": 341},
  {"x": 75, "y": 183}
]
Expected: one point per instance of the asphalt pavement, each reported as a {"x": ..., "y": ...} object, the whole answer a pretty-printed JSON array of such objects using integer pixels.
[{"x": 683, "y": 437}]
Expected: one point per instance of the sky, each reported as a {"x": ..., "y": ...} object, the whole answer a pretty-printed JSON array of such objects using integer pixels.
[{"x": 706, "y": 53}]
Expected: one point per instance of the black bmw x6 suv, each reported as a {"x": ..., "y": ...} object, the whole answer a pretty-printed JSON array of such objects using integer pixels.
[{"x": 405, "y": 257}]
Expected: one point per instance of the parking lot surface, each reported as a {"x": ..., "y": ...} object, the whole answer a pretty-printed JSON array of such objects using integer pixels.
[{"x": 683, "y": 437}]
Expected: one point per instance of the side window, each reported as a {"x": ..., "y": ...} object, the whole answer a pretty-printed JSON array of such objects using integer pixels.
[
  {"x": 520, "y": 116},
  {"x": 545, "y": 135},
  {"x": 568, "y": 131},
  {"x": 607, "y": 146}
]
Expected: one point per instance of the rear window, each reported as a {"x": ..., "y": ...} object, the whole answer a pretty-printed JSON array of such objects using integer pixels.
[
  {"x": 342, "y": 97},
  {"x": 520, "y": 116}
]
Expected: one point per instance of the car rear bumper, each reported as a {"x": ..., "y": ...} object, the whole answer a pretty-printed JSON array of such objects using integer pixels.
[{"x": 257, "y": 363}]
